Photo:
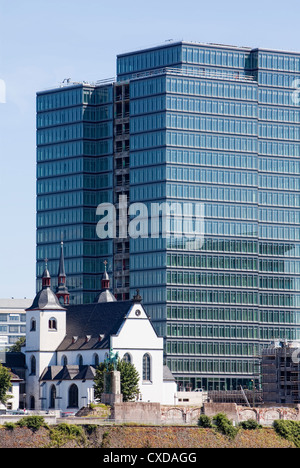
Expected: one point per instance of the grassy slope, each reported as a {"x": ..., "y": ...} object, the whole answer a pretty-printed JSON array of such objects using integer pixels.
[{"x": 150, "y": 437}]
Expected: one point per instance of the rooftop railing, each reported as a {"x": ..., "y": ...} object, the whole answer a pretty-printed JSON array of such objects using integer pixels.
[{"x": 197, "y": 73}]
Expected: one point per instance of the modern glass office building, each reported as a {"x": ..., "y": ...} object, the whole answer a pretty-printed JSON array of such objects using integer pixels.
[
  {"x": 192, "y": 124},
  {"x": 74, "y": 175}
]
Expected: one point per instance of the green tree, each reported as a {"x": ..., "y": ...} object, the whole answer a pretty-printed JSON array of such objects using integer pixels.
[
  {"x": 129, "y": 380},
  {"x": 128, "y": 375},
  {"x": 16, "y": 348},
  {"x": 5, "y": 384}
]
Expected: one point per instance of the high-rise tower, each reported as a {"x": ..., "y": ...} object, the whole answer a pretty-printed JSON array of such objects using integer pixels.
[{"x": 193, "y": 124}]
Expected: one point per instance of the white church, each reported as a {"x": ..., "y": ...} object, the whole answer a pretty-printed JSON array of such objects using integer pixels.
[{"x": 65, "y": 343}]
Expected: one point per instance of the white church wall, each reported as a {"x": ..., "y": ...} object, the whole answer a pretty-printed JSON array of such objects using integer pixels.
[
  {"x": 138, "y": 338},
  {"x": 42, "y": 360},
  {"x": 169, "y": 393},
  {"x": 85, "y": 395},
  {"x": 42, "y": 335}
]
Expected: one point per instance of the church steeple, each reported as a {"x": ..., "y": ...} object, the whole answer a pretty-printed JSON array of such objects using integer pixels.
[
  {"x": 62, "y": 292},
  {"x": 46, "y": 278},
  {"x": 105, "y": 295},
  {"x": 62, "y": 271},
  {"x": 46, "y": 299},
  {"x": 105, "y": 278}
]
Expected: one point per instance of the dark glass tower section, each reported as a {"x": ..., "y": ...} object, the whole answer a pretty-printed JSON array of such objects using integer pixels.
[{"x": 74, "y": 175}]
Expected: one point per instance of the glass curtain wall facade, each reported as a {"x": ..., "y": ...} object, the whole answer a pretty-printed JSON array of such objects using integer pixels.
[
  {"x": 221, "y": 129},
  {"x": 74, "y": 175},
  {"x": 196, "y": 124}
]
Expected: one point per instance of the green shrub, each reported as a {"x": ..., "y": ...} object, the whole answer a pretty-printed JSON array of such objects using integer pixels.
[
  {"x": 9, "y": 426},
  {"x": 90, "y": 428},
  {"x": 250, "y": 424},
  {"x": 289, "y": 430},
  {"x": 32, "y": 422},
  {"x": 64, "y": 433},
  {"x": 224, "y": 425},
  {"x": 204, "y": 421},
  {"x": 70, "y": 429}
]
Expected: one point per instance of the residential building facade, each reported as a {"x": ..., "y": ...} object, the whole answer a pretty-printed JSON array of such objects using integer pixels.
[
  {"x": 192, "y": 124},
  {"x": 12, "y": 321},
  {"x": 280, "y": 373}
]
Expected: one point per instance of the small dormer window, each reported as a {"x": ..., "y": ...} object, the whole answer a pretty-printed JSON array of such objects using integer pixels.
[{"x": 52, "y": 324}]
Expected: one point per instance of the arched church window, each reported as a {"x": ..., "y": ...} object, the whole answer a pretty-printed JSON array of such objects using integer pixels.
[
  {"x": 127, "y": 357},
  {"x": 32, "y": 403},
  {"x": 33, "y": 325},
  {"x": 146, "y": 367},
  {"x": 52, "y": 396},
  {"x": 52, "y": 324},
  {"x": 96, "y": 360},
  {"x": 80, "y": 360},
  {"x": 32, "y": 365},
  {"x": 73, "y": 396},
  {"x": 64, "y": 361}
]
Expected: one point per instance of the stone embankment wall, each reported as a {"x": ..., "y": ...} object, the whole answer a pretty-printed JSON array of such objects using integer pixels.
[
  {"x": 263, "y": 415},
  {"x": 154, "y": 413}
]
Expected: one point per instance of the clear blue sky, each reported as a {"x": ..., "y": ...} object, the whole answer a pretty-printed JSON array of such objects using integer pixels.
[{"x": 44, "y": 41}]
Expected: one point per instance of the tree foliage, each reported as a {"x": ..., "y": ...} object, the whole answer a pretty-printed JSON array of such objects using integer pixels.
[
  {"x": 5, "y": 384},
  {"x": 204, "y": 421},
  {"x": 128, "y": 375},
  {"x": 17, "y": 347},
  {"x": 224, "y": 425}
]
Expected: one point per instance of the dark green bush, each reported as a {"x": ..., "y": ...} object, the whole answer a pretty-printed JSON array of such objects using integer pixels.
[
  {"x": 32, "y": 422},
  {"x": 289, "y": 430},
  {"x": 90, "y": 428},
  {"x": 70, "y": 429},
  {"x": 250, "y": 424},
  {"x": 224, "y": 425},
  {"x": 9, "y": 426},
  {"x": 204, "y": 421}
]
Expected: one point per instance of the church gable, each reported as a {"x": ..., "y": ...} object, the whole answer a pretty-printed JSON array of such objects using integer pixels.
[{"x": 137, "y": 331}]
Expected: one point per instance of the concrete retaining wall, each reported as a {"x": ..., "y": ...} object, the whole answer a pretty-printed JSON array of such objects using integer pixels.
[
  {"x": 230, "y": 409},
  {"x": 49, "y": 419},
  {"x": 137, "y": 412}
]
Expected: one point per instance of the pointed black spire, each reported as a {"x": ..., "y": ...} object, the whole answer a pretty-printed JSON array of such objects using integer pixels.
[
  {"x": 62, "y": 292},
  {"x": 62, "y": 271}
]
